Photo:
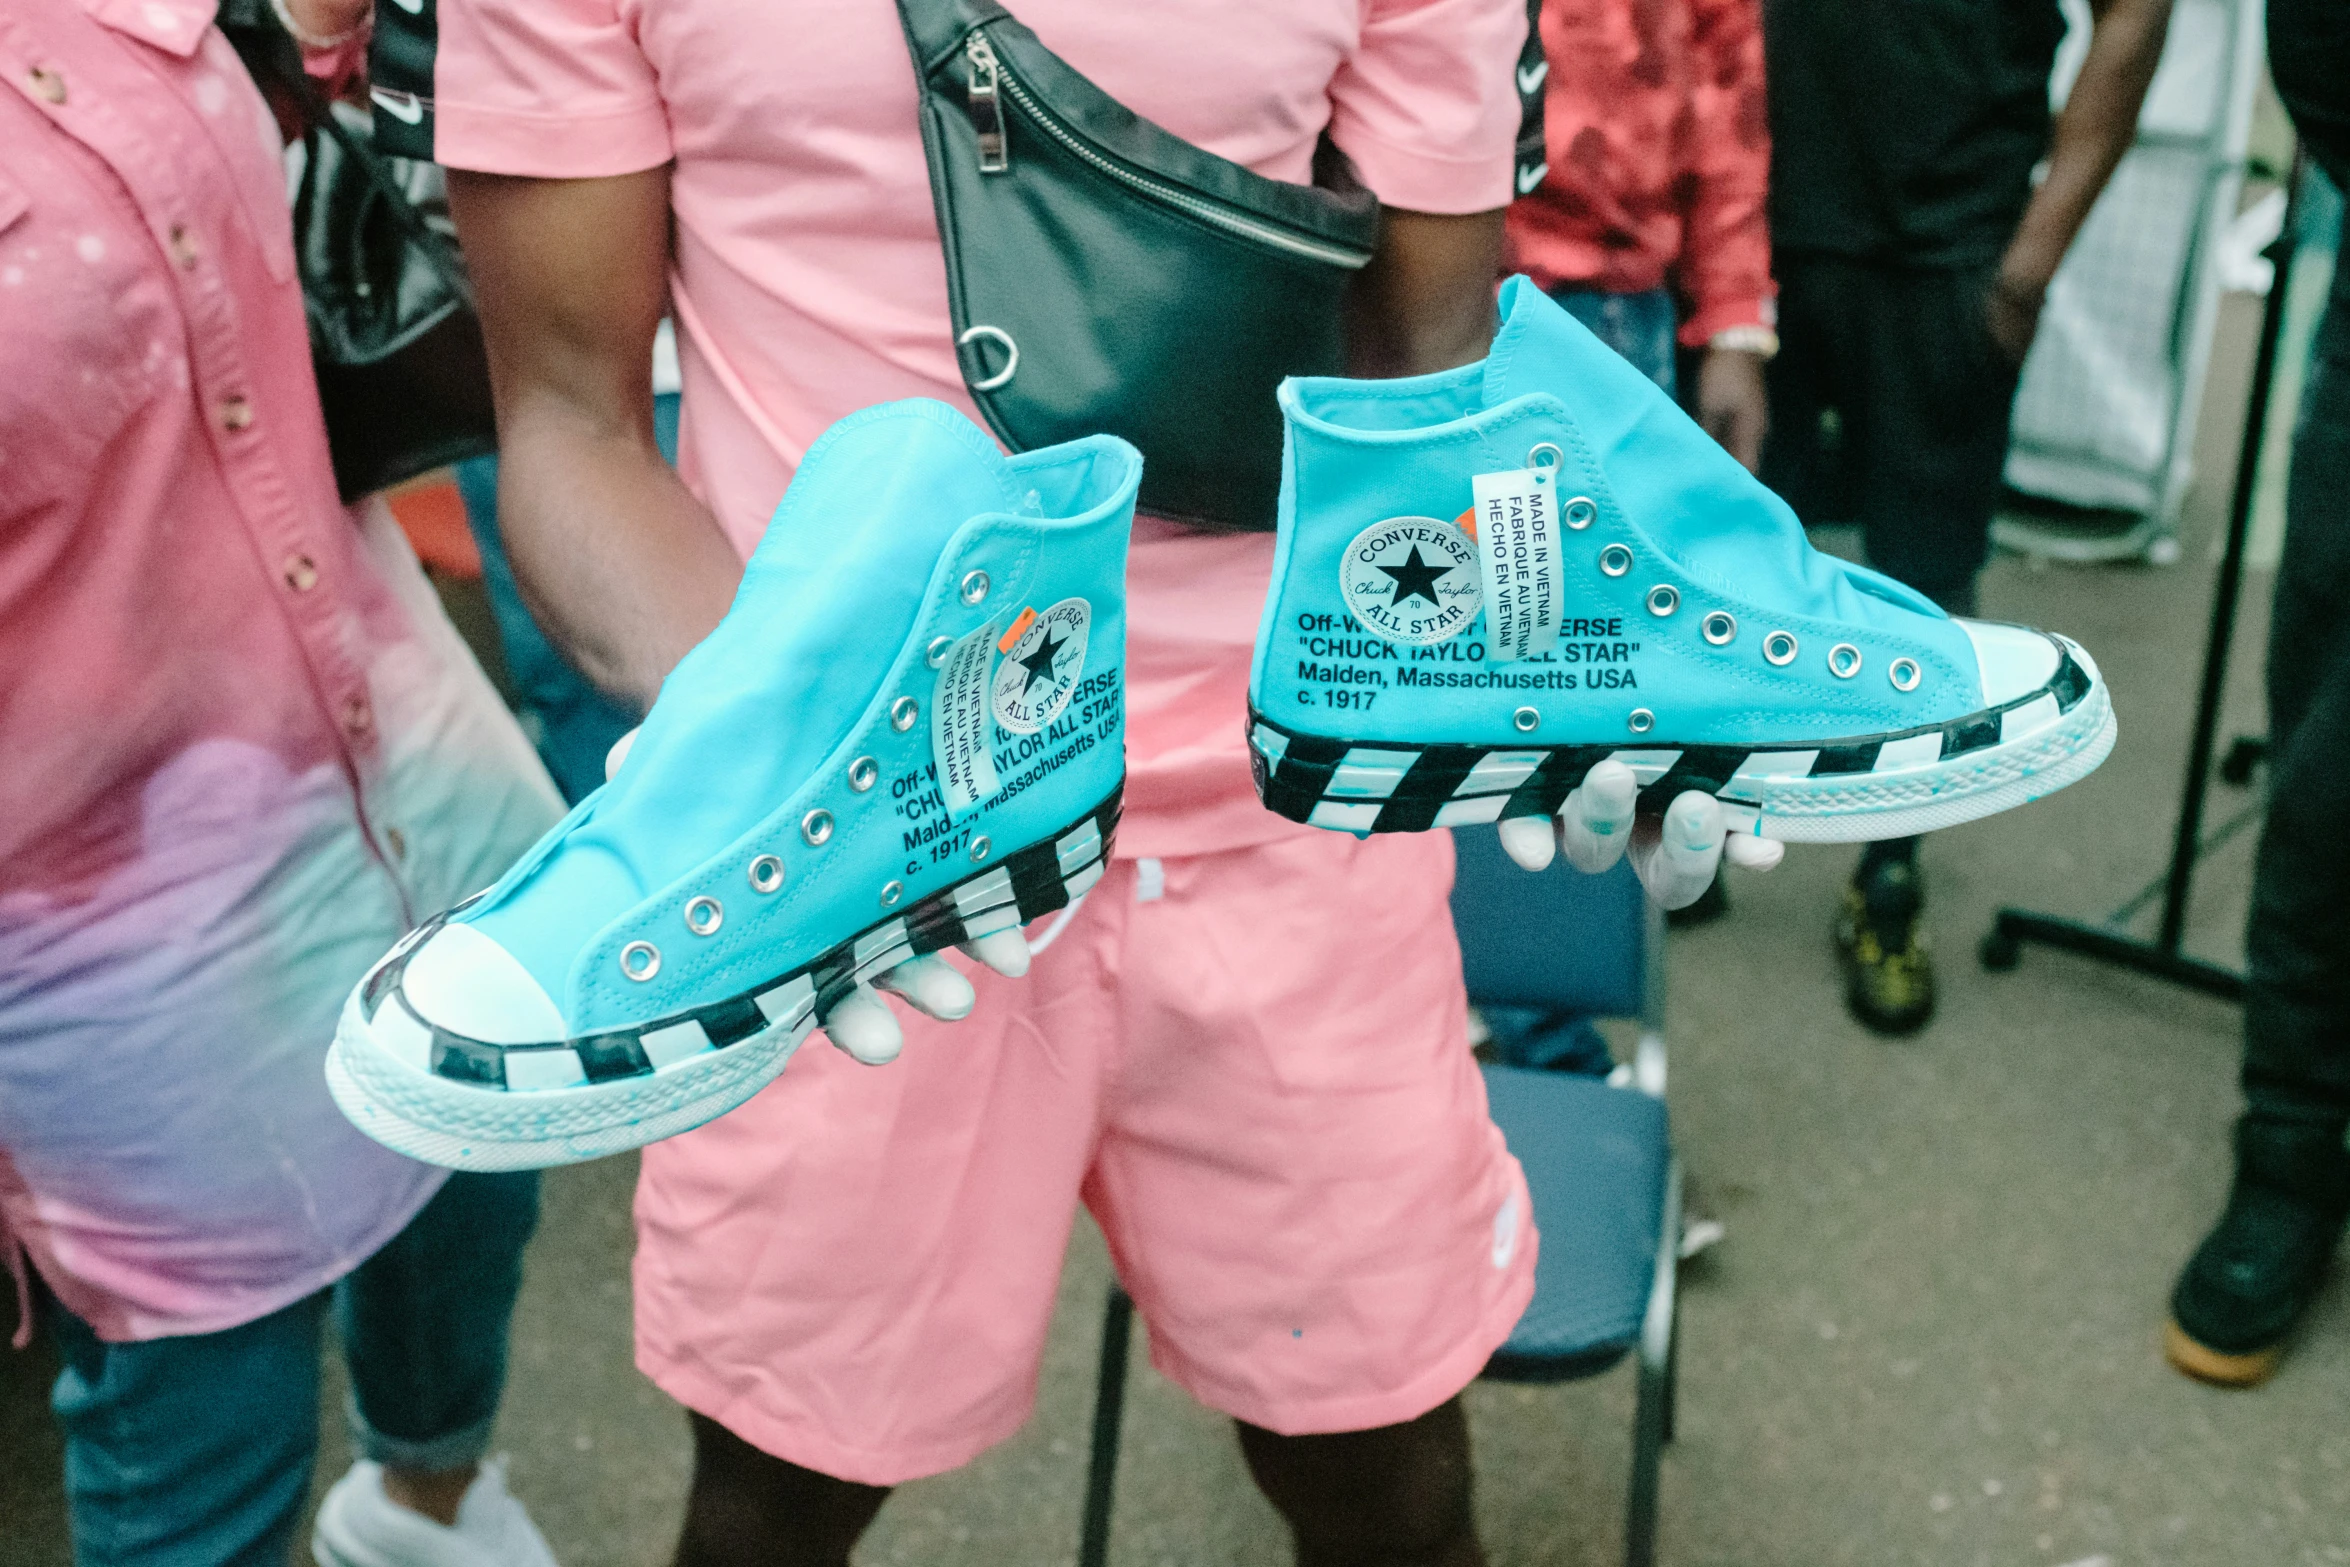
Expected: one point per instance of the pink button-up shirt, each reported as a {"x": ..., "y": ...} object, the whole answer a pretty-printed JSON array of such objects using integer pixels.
[{"x": 240, "y": 747}]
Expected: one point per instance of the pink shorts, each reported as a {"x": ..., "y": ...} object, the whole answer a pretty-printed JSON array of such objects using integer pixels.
[{"x": 1251, "y": 1067}]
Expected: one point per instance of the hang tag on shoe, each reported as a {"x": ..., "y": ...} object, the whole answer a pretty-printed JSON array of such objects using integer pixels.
[
  {"x": 960, "y": 728},
  {"x": 1522, "y": 559}
]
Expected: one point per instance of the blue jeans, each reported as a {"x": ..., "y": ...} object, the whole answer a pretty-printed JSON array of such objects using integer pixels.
[
  {"x": 197, "y": 1451},
  {"x": 1640, "y": 327},
  {"x": 572, "y": 722}
]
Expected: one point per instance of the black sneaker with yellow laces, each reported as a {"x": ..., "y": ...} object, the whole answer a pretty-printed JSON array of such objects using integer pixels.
[{"x": 1888, "y": 979}]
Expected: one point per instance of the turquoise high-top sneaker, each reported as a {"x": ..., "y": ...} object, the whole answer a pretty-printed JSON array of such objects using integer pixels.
[
  {"x": 1491, "y": 578},
  {"x": 907, "y": 732}
]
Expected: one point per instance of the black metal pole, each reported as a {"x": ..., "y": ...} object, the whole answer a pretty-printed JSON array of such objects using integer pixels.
[
  {"x": 2231, "y": 577},
  {"x": 1109, "y": 1408},
  {"x": 2002, "y": 945}
]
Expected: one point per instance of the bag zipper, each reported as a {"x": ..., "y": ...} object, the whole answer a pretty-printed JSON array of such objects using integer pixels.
[
  {"x": 987, "y": 110},
  {"x": 990, "y": 80}
]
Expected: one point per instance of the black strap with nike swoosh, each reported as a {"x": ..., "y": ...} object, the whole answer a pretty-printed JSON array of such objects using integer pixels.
[
  {"x": 1533, "y": 83},
  {"x": 399, "y": 74}
]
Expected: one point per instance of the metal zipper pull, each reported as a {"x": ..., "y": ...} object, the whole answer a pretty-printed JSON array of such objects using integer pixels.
[{"x": 987, "y": 109}]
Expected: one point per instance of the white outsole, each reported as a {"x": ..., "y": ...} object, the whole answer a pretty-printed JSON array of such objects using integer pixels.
[
  {"x": 1863, "y": 807},
  {"x": 413, "y": 1112}
]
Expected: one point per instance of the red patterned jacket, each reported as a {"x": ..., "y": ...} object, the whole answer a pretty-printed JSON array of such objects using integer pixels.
[{"x": 1660, "y": 154}]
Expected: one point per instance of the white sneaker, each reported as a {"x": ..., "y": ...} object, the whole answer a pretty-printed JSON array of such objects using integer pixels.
[{"x": 360, "y": 1526}]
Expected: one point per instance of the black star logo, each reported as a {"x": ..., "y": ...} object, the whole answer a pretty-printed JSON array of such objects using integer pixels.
[
  {"x": 1415, "y": 578},
  {"x": 1039, "y": 664}
]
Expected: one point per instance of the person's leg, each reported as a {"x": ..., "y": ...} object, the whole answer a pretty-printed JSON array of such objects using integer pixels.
[
  {"x": 2255, "y": 1273},
  {"x": 424, "y": 1324},
  {"x": 1800, "y": 463},
  {"x": 1928, "y": 447},
  {"x": 747, "y": 1508},
  {"x": 187, "y": 1452},
  {"x": 1300, "y": 1185},
  {"x": 849, "y": 1279},
  {"x": 1397, "y": 1496}
]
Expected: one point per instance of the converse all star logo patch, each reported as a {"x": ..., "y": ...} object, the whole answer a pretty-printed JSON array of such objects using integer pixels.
[
  {"x": 1040, "y": 670},
  {"x": 959, "y": 732},
  {"x": 1411, "y": 579}
]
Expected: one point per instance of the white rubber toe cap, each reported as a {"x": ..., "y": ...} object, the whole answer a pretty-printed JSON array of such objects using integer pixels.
[
  {"x": 2015, "y": 660},
  {"x": 463, "y": 981}
]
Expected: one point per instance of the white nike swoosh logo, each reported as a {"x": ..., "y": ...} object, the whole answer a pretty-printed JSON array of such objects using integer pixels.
[
  {"x": 1529, "y": 178},
  {"x": 412, "y": 7},
  {"x": 403, "y": 106},
  {"x": 1529, "y": 77}
]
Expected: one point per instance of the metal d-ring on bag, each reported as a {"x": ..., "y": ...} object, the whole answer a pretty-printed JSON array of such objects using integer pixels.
[{"x": 1106, "y": 275}]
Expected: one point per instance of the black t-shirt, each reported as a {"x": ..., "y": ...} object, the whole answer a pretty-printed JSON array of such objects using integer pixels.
[{"x": 1906, "y": 130}]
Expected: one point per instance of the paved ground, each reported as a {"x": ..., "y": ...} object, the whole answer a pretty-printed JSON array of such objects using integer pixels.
[{"x": 1928, "y": 1337}]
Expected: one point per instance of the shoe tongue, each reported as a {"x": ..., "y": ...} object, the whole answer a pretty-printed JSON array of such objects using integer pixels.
[
  {"x": 826, "y": 604},
  {"x": 1690, "y": 495}
]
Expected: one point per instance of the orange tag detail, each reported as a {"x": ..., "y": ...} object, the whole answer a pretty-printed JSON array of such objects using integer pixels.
[
  {"x": 1467, "y": 522},
  {"x": 1019, "y": 629}
]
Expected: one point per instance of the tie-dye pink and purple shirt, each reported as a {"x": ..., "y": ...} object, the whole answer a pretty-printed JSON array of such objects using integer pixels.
[{"x": 241, "y": 748}]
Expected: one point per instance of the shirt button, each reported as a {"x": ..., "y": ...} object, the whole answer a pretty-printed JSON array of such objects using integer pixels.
[
  {"x": 184, "y": 249},
  {"x": 235, "y": 413},
  {"x": 49, "y": 84},
  {"x": 356, "y": 718},
  {"x": 301, "y": 573}
]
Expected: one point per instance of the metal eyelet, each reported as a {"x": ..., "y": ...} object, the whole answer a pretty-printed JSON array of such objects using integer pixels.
[
  {"x": 1580, "y": 513},
  {"x": 1844, "y": 661},
  {"x": 974, "y": 586},
  {"x": 1719, "y": 627},
  {"x": 891, "y": 891},
  {"x": 1526, "y": 719},
  {"x": 1779, "y": 648},
  {"x": 1663, "y": 599},
  {"x": 1615, "y": 560},
  {"x": 640, "y": 961},
  {"x": 936, "y": 653},
  {"x": 981, "y": 847},
  {"x": 1534, "y": 455},
  {"x": 864, "y": 773},
  {"x": 903, "y": 712},
  {"x": 704, "y": 915},
  {"x": 1905, "y": 674},
  {"x": 1640, "y": 720},
  {"x": 816, "y": 826},
  {"x": 766, "y": 873}
]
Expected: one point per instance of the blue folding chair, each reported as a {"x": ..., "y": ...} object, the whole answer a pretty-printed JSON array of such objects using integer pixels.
[
  {"x": 1598, "y": 1160},
  {"x": 1597, "y": 1152}
]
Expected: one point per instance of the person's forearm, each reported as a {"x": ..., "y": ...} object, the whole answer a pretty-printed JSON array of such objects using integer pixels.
[
  {"x": 1425, "y": 302},
  {"x": 621, "y": 567},
  {"x": 2099, "y": 120}
]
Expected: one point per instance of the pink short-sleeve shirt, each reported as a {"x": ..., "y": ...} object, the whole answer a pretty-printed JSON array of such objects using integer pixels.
[{"x": 808, "y": 275}]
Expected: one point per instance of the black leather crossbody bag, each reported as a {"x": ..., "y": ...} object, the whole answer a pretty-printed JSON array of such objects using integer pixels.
[
  {"x": 403, "y": 378},
  {"x": 1106, "y": 275}
]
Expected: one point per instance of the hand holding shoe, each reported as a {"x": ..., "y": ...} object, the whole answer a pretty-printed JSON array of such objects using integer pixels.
[
  {"x": 861, "y": 1023},
  {"x": 1676, "y": 856}
]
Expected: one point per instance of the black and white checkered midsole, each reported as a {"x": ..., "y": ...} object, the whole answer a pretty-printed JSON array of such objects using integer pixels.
[
  {"x": 1390, "y": 787},
  {"x": 1025, "y": 885}
]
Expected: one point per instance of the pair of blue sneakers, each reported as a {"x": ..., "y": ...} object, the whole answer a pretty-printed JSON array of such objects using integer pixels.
[{"x": 908, "y": 731}]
